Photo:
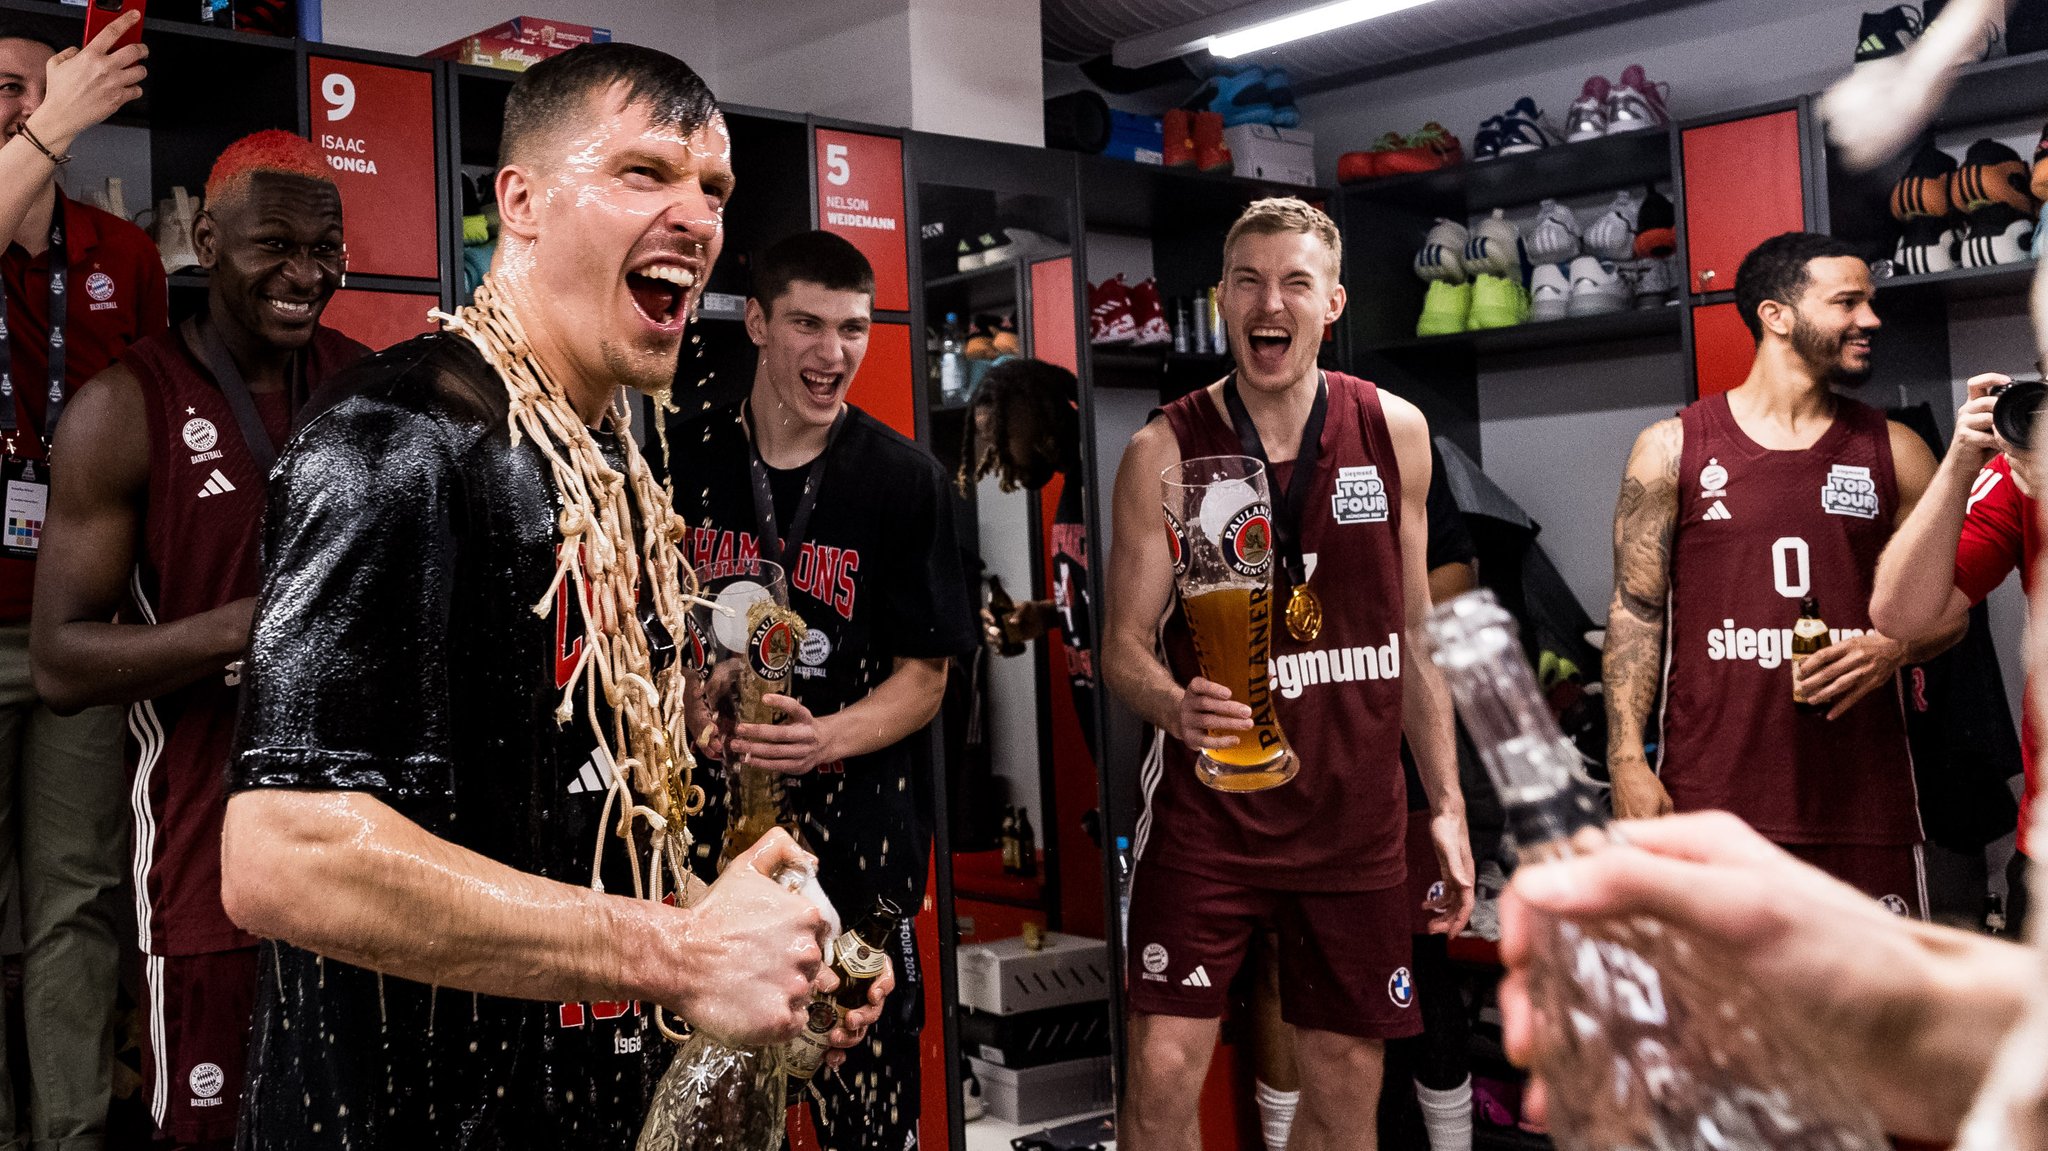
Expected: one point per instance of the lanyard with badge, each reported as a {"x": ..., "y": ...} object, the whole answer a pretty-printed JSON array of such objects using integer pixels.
[
  {"x": 773, "y": 544},
  {"x": 27, "y": 482},
  {"x": 1304, "y": 610}
]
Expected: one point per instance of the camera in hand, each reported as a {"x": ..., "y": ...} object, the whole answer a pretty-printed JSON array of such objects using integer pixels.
[{"x": 2013, "y": 415}]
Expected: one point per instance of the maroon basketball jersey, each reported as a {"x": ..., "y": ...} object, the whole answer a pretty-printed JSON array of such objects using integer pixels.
[
  {"x": 1340, "y": 823},
  {"x": 199, "y": 551},
  {"x": 1758, "y": 530}
]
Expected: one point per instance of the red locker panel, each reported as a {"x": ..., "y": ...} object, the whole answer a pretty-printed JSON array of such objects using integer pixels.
[
  {"x": 1722, "y": 348},
  {"x": 1052, "y": 313},
  {"x": 884, "y": 387},
  {"x": 379, "y": 319},
  {"x": 1742, "y": 186}
]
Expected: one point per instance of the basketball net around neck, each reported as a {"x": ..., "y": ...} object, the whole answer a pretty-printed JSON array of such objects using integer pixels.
[{"x": 642, "y": 731}]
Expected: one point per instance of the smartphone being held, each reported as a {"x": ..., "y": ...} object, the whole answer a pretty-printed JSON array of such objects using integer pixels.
[{"x": 100, "y": 13}]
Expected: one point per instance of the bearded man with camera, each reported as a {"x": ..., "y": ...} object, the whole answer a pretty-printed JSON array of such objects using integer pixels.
[{"x": 1974, "y": 526}]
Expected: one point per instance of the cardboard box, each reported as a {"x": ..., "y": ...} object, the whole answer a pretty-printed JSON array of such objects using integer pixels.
[
  {"x": 1036, "y": 1038},
  {"x": 520, "y": 43},
  {"x": 1263, "y": 152},
  {"x": 1036, "y": 1094},
  {"x": 1141, "y": 139},
  {"x": 1005, "y": 977}
]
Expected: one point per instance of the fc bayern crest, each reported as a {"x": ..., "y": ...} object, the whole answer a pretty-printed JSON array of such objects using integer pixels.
[
  {"x": 100, "y": 287},
  {"x": 1176, "y": 542},
  {"x": 1248, "y": 541},
  {"x": 200, "y": 434},
  {"x": 771, "y": 648}
]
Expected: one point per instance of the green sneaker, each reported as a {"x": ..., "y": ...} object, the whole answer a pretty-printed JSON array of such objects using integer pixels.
[
  {"x": 1444, "y": 309},
  {"x": 1497, "y": 302}
]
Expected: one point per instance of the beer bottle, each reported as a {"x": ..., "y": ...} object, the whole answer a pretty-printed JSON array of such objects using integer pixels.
[
  {"x": 1027, "y": 845},
  {"x": 1008, "y": 841},
  {"x": 1809, "y": 635},
  {"x": 1001, "y": 606},
  {"x": 859, "y": 957}
]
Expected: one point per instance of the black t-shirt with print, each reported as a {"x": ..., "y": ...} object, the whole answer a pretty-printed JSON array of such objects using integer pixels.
[
  {"x": 877, "y": 578},
  {"x": 396, "y": 653}
]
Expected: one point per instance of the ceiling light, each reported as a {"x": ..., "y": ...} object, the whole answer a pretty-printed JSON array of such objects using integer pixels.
[{"x": 1301, "y": 25}]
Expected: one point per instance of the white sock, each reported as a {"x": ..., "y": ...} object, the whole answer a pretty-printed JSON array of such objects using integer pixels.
[
  {"x": 1447, "y": 1116},
  {"x": 1276, "y": 1115}
]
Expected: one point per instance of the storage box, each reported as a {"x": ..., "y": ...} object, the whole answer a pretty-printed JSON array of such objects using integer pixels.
[
  {"x": 520, "y": 43},
  {"x": 1036, "y": 1094},
  {"x": 1036, "y": 1038},
  {"x": 1005, "y": 977},
  {"x": 1137, "y": 138},
  {"x": 1263, "y": 152}
]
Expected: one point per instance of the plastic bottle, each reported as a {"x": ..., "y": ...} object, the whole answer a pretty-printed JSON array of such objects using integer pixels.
[
  {"x": 952, "y": 367},
  {"x": 1654, "y": 1043},
  {"x": 1123, "y": 889}
]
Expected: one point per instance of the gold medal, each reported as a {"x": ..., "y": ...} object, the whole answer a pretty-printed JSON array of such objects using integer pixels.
[{"x": 1304, "y": 614}]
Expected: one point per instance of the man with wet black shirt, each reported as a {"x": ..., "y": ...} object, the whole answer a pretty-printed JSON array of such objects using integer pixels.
[
  {"x": 863, "y": 527},
  {"x": 412, "y": 820}
]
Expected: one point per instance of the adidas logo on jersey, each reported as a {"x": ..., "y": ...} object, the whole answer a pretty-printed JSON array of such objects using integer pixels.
[
  {"x": 1199, "y": 977},
  {"x": 216, "y": 485},
  {"x": 1718, "y": 512},
  {"x": 595, "y": 775}
]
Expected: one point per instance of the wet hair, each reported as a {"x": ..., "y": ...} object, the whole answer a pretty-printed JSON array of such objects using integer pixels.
[
  {"x": 22, "y": 27},
  {"x": 1776, "y": 270},
  {"x": 1042, "y": 395},
  {"x": 819, "y": 258},
  {"x": 269, "y": 151},
  {"x": 1281, "y": 214},
  {"x": 553, "y": 93}
]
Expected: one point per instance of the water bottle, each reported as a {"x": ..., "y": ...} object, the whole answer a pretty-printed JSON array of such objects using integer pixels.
[
  {"x": 1123, "y": 889},
  {"x": 952, "y": 367},
  {"x": 1651, "y": 1043}
]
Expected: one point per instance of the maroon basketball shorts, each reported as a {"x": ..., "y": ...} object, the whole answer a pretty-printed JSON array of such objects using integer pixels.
[
  {"x": 1343, "y": 955},
  {"x": 1894, "y": 876},
  {"x": 195, "y": 1013}
]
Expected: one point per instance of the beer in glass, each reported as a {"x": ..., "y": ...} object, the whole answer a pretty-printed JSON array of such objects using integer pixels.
[{"x": 1219, "y": 526}]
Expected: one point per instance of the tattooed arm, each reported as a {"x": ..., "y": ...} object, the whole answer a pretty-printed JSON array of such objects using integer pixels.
[{"x": 1644, "y": 521}]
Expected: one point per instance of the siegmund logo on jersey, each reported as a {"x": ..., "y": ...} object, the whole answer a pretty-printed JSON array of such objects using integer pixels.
[
  {"x": 1767, "y": 647},
  {"x": 1296, "y": 672},
  {"x": 1361, "y": 496},
  {"x": 1849, "y": 491}
]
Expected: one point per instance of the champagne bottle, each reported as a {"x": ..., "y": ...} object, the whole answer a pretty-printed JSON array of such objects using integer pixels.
[
  {"x": 859, "y": 957},
  {"x": 1650, "y": 1039},
  {"x": 1001, "y": 606},
  {"x": 1809, "y": 635}
]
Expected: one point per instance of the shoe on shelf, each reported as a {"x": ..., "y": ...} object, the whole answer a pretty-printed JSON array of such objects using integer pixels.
[
  {"x": 1524, "y": 128},
  {"x": 1239, "y": 97},
  {"x": 1887, "y": 33},
  {"x": 1021, "y": 244},
  {"x": 1442, "y": 254},
  {"x": 1358, "y": 167},
  {"x": 971, "y": 1105},
  {"x": 1211, "y": 153},
  {"x": 1613, "y": 235},
  {"x": 1280, "y": 92},
  {"x": 1497, "y": 302},
  {"x": 1597, "y": 288},
  {"x": 1927, "y": 244},
  {"x": 1656, "y": 226},
  {"x": 2039, "y": 184},
  {"x": 1495, "y": 246},
  {"x": 1992, "y": 173},
  {"x": 1149, "y": 316},
  {"x": 1444, "y": 309},
  {"x": 1486, "y": 141},
  {"x": 1926, "y": 187},
  {"x": 1998, "y": 234},
  {"x": 1549, "y": 288},
  {"x": 1586, "y": 119},
  {"x": 974, "y": 249},
  {"x": 1430, "y": 148},
  {"x": 1635, "y": 103},
  {"x": 1553, "y": 238},
  {"x": 1179, "y": 146},
  {"x": 1110, "y": 316},
  {"x": 1653, "y": 284}
]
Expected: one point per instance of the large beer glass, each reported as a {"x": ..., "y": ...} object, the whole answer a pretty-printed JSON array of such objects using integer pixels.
[{"x": 1219, "y": 526}]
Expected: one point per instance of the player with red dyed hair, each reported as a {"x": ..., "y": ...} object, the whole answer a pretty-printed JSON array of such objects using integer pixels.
[{"x": 166, "y": 454}]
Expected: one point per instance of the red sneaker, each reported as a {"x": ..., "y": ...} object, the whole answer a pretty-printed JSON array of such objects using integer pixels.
[
  {"x": 1427, "y": 150},
  {"x": 1149, "y": 315},
  {"x": 1358, "y": 167},
  {"x": 1180, "y": 139},
  {"x": 1211, "y": 153},
  {"x": 1110, "y": 320}
]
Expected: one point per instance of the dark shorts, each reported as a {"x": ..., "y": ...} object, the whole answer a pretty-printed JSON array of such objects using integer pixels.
[
  {"x": 1425, "y": 874},
  {"x": 1894, "y": 876},
  {"x": 1344, "y": 956},
  {"x": 195, "y": 1014}
]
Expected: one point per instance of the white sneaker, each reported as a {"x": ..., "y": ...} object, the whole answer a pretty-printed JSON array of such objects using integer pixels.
[
  {"x": 1554, "y": 237},
  {"x": 1549, "y": 292},
  {"x": 1998, "y": 234},
  {"x": 1587, "y": 117},
  {"x": 1636, "y": 102},
  {"x": 174, "y": 220},
  {"x": 1652, "y": 284},
  {"x": 1613, "y": 235},
  {"x": 1021, "y": 244},
  {"x": 1926, "y": 244},
  {"x": 1442, "y": 254},
  {"x": 1495, "y": 247},
  {"x": 1597, "y": 289}
]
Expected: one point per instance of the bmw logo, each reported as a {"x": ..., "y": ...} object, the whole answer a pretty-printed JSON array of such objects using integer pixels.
[{"x": 1401, "y": 988}]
